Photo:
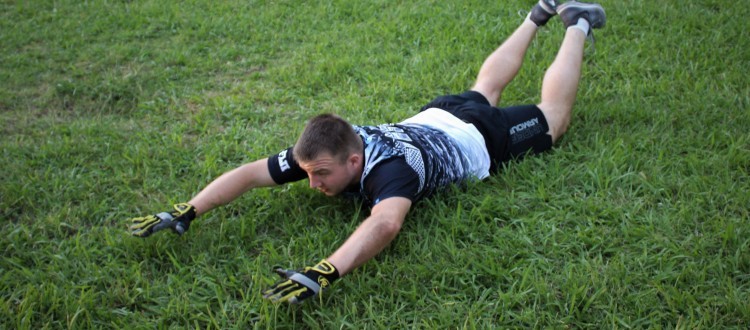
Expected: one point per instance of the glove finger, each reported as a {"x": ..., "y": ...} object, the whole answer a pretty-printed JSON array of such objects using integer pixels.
[
  {"x": 140, "y": 232},
  {"x": 287, "y": 291},
  {"x": 143, "y": 222},
  {"x": 293, "y": 297},
  {"x": 284, "y": 273},
  {"x": 138, "y": 227},
  {"x": 277, "y": 288},
  {"x": 144, "y": 226}
]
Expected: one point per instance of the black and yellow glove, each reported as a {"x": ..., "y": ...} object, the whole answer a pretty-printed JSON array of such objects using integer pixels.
[
  {"x": 298, "y": 286},
  {"x": 177, "y": 220}
]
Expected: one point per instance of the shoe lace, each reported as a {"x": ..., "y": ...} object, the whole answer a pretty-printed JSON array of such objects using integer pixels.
[{"x": 592, "y": 41}]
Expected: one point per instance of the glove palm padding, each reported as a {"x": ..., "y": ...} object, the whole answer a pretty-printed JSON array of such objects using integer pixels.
[
  {"x": 178, "y": 220},
  {"x": 298, "y": 286}
]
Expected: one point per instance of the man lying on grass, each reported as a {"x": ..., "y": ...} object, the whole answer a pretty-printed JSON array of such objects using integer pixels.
[{"x": 452, "y": 139}]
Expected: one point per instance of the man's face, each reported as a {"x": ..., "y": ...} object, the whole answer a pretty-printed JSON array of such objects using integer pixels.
[{"x": 330, "y": 175}]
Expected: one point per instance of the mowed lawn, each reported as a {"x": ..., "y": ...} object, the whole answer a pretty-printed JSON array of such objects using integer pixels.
[{"x": 116, "y": 109}]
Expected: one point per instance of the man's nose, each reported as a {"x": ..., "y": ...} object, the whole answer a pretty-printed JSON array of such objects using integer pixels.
[{"x": 314, "y": 183}]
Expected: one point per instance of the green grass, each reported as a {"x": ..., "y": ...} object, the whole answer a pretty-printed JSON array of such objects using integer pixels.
[{"x": 116, "y": 109}]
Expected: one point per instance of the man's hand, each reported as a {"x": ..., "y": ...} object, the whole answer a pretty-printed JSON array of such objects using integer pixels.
[
  {"x": 298, "y": 286},
  {"x": 177, "y": 220}
]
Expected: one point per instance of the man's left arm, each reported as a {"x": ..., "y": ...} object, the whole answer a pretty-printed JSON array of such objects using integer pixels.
[{"x": 371, "y": 237}]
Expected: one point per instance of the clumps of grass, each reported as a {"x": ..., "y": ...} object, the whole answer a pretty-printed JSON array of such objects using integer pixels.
[{"x": 111, "y": 110}]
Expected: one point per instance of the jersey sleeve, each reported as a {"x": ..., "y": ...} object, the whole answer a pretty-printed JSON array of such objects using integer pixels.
[
  {"x": 393, "y": 178},
  {"x": 284, "y": 168}
]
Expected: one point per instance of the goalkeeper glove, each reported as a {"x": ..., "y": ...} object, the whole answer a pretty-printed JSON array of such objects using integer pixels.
[
  {"x": 298, "y": 286},
  {"x": 177, "y": 220}
]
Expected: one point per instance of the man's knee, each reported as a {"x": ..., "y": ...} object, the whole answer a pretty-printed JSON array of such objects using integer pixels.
[
  {"x": 558, "y": 118},
  {"x": 490, "y": 94}
]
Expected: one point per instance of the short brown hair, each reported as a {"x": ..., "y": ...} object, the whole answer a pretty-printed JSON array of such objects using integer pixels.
[{"x": 327, "y": 133}]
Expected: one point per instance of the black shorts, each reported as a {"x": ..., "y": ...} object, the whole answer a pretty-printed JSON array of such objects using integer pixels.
[{"x": 509, "y": 133}]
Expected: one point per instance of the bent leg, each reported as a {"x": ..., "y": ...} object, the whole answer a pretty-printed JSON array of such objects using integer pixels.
[
  {"x": 560, "y": 83},
  {"x": 503, "y": 64}
]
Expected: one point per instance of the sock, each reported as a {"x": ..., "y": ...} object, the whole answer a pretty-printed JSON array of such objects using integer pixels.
[{"x": 582, "y": 25}]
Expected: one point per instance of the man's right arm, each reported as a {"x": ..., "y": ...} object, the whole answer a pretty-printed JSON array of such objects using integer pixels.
[{"x": 232, "y": 184}]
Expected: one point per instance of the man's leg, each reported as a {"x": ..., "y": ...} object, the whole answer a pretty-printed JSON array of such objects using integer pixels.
[
  {"x": 503, "y": 64},
  {"x": 560, "y": 82}
]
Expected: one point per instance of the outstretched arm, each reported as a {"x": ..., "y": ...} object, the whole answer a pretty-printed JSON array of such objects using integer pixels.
[
  {"x": 372, "y": 235},
  {"x": 223, "y": 190},
  {"x": 232, "y": 184}
]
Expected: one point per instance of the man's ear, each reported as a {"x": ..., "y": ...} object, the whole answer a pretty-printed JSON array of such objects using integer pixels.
[{"x": 354, "y": 159}]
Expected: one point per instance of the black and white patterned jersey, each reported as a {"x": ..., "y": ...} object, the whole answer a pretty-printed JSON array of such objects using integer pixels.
[
  {"x": 432, "y": 155},
  {"x": 400, "y": 160}
]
